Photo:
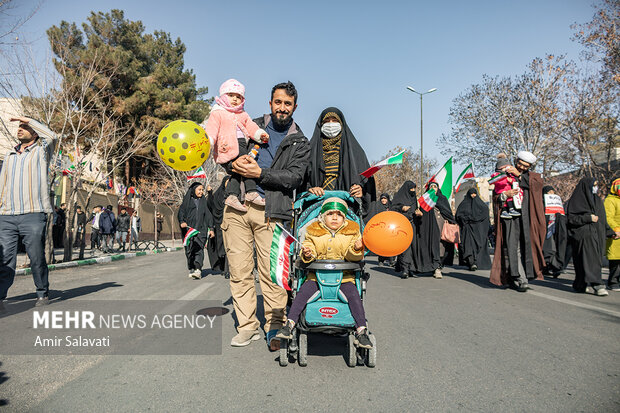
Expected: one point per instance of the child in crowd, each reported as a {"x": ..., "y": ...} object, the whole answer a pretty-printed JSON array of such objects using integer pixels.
[
  {"x": 230, "y": 128},
  {"x": 505, "y": 181},
  {"x": 332, "y": 237}
]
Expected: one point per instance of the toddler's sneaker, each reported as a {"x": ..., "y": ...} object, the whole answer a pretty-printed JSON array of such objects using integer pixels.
[
  {"x": 233, "y": 202},
  {"x": 362, "y": 340},
  {"x": 514, "y": 213},
  {"x": 505, "y": 215},
  {"x": 286, "y": 332}
]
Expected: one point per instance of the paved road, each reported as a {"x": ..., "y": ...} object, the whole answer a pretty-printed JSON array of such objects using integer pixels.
[{"x": 456, "y": 344}]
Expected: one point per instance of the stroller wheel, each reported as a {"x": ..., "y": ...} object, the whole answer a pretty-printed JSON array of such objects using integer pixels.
[
  {"x": 351, "y": 355},
  {"x": 283, "y": 352},
  {"x": 371, "y": 357},
  {"x": 302, "y": 355}
]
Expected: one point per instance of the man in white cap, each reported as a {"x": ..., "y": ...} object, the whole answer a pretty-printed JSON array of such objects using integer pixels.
[{"x": 518, "y": 251}]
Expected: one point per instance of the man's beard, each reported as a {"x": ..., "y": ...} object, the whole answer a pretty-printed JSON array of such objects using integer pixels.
[{"x": 281, "y": 123}]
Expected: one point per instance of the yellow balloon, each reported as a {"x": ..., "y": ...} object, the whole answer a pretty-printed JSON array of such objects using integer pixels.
[{"x": 183, "y": 145}]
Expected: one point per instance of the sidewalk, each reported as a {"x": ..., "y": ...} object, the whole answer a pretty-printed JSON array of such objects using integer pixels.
[{"x": 96, "y": 257}]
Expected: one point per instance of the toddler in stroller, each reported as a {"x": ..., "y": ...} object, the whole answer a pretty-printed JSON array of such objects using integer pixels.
[{"x": 331, "y": 237}]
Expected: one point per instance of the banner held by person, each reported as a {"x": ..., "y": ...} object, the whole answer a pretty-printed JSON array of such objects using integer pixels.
[{"x": 553, "y": 204}]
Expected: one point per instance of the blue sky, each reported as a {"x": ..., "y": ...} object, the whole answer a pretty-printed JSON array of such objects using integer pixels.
[{"x": 356, "y": 55}]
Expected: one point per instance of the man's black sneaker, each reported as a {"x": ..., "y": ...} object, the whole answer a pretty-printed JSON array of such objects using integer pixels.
[
  {"x": 362, "y": 340},
  {"x": 285, "y": 332},
  {"x": 41, "y": 301}
]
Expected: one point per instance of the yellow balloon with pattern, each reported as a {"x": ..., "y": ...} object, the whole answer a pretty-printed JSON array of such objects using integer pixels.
[{"x": 183, "y": 145}]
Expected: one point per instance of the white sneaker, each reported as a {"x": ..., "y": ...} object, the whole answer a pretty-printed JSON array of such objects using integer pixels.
[
  {"x": 244, "y": 337},
  {"x": 197, "y": 274},
  {"x": 437, "y": 274},
  {"x": 601, "y": 292},
  {"x": 191, "y": 274},
  {"x": 590, "y": 290}
]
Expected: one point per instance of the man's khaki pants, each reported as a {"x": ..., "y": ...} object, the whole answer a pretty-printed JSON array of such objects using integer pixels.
[{"x": 242, "y": 231}]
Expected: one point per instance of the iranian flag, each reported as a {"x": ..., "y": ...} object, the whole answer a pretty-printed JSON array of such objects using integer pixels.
[
  {"x": 191, "y": 232},
  {"x": 468, "y": 173},
  {"x": 280, "y": 248},
  {"x": 443, "y": 178},
  {"x": 428, "y": 200},
  {"x": 498, "y": 178},
  {"x": 200, "y": 173},
  {"x": 392, "y": 160}
]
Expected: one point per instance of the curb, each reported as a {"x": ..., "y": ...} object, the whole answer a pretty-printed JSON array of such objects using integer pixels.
[{"x": 99, "y": 260}]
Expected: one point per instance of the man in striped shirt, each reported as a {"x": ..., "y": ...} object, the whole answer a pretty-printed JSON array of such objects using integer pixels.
[{"x": 25, "y": 203}]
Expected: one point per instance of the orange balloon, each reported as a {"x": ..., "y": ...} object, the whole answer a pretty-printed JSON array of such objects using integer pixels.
[{"x": 388, "y": 234}]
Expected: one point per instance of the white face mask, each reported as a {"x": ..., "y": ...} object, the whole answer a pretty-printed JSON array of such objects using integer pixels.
[
  {"x": 331, "y": 129},
  {"x": 595, "y": 189}
]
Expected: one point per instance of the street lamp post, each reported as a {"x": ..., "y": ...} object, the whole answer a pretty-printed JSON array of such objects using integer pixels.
[{"x": 421, "y": 131}]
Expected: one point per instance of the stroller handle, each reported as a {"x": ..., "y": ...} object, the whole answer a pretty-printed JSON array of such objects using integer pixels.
[{"x": 331, "y": 265}]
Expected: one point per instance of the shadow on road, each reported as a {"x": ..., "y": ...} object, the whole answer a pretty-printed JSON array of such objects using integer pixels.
[
  {"x": 481, "y": 280},
  {"x": 25, "y": 302},
  {"x": 3, "y": 378}
]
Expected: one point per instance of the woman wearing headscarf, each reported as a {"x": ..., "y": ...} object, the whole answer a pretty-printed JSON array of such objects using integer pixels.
[
  {"x": 554, "y": 246},
  {"x": 194, "y": 214},
  {"x": 215, "y": 249},
  {"x": 428, "y": 234},
  {"x": 381, "y": 205},
  {"x": 472, "y": 215},
  {"x": 406, "y": 202},
  {"x": 612, "y": 210},
  {"x": 587, "y": 230},
  {"x": 337, "y": 159}
]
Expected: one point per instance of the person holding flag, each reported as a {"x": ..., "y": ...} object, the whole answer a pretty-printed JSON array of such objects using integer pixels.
[
  {"x": 337, "y": 160},
  {"x": 427, "y": 238},
  {"x": 196, "y": 224},
  {"x": 406, "y": 203}
]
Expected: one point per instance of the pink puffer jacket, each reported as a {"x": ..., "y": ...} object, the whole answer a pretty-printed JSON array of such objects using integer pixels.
[{"x": 221, "y": 127}]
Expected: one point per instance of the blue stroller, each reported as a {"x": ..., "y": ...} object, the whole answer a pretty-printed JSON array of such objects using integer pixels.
[{"x": 328, "y": 311}]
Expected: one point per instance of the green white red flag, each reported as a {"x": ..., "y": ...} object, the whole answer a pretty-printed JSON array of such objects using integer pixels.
[
  {"x": 200, "y": 173},
  {"x": 428, "y": 200},
  {"x": 392, "y": 160},
  {"x": 468, "y": 173},
  {"x": 191, "y": 232},
  {"x": 498, "y": 177},
  {"x": 443, "y": 178},
  {"x": 279, "y": 256}
]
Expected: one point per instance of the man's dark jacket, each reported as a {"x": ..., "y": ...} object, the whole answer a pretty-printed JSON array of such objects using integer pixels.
[
  {"x": 123, "y": 222},
  {"x": 286, "y": 172}
]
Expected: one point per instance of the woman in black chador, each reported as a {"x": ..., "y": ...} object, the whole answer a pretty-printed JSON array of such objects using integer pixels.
[
  {"x": 554, "y": 246},
  {"x": 587, "y": 231},
  {"x": 428, "y": 235},
  {"x": 215, "y": 248},
  {"x": 194, "y": 213},
  {"x": 472, "y": 215},
  {"x": 406, "y": 202},
  {"x": 337, "y": 159}
]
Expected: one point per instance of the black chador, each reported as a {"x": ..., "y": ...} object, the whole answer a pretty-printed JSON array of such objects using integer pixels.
[
  {"x": 336, "y": 163},
  {"x": 406, "y": 198},
  {"x": 586, "y": 236},
  {"x": 195, "y": 214},
  {"x": 428, "y": 235},
  {"x": 215, "y": 247},
  {"x": 472, "y": 215}
]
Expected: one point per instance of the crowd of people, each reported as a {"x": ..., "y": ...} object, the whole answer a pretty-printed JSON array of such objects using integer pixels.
[{"x": 236, "y": 221}]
